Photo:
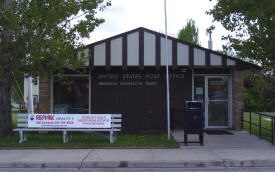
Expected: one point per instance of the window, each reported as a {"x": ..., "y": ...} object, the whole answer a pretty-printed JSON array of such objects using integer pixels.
[
  {"x": 199, "y": 88},
  {"x": 35, "y": 100},
  {"x": 35, "y": 80},
  {"x": 71, "y": 95}
]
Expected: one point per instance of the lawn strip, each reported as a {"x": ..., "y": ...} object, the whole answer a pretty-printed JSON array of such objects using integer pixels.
[
  {"x": 84, "y": 140},
  {"x": 266, "y": 135}
]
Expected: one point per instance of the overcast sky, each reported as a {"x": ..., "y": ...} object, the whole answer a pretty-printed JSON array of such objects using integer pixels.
[{"x": 125, "y": 15}]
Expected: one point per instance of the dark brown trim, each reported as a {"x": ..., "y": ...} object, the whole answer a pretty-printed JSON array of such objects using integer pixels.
[
  {"x": 203, "y": 66},
  {"x": 141, "y": 49},
  {"x": 91, "y": 60},
  {"x": 223, "y": 61},
  {"x": 207, "y": 58},
  {"x": 193, "y": 45},
  {"x": 172, "y": 38},
  {"x": 212, "y": 70},
  {"x": 157, "y": 51},
  {"x": 174, "y": 54},
  {"x": 108, "y": 54},
  {"x": 191, "y": 56},
  {"x": 237, "y": 61},
  {"x": 124, "y": 52},
  {"x": 116, "y": 36}
]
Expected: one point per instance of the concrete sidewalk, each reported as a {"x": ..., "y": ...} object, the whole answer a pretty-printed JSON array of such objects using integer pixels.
[{"x": 238, "y": 150}]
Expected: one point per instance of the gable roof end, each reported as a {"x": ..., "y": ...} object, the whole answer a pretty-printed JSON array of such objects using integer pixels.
[{"x": 142, "y": 47}]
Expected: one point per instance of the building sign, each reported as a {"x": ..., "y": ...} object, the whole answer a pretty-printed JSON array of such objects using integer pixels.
[
  {"x": 69, "y": 120},
  {"x": 134, "y": 79}
]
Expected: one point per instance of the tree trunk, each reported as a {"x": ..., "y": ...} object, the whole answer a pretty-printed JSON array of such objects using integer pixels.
[
  {"x": 5, "y": 81},
  {"x": 5, "y": 107}
]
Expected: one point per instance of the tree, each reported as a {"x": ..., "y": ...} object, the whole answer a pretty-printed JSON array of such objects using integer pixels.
[
  {"x": 189, "y": 33},
  {"x": 251, "y": 24},
  {"x": 259, "y": 92},
  {"x": 41, "y": 37}
]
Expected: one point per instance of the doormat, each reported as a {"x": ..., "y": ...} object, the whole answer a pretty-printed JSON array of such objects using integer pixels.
[{"x": 218, "y": 132}]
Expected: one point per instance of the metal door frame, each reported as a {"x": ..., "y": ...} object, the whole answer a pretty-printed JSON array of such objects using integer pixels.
[{"x": 229, "y": 125}]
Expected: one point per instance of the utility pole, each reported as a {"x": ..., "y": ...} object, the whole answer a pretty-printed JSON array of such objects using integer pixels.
[
  {"x": 167, "y": 74},
  {"x": 30, "y": 96}
]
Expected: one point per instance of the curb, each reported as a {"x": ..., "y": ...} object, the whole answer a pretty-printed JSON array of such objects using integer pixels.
[
  {"x": 82, "y": 147},
  {"x": 40, "y": 165},
  {"x": 226, "y": 163}
]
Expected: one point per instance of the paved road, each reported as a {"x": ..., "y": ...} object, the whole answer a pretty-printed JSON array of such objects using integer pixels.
[{"x": 136, "y": 170}]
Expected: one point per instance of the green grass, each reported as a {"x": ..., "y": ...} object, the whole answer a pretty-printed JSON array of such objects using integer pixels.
[
  {"x": 266, "y": 123},
  {"x": 84, "y": 140}
]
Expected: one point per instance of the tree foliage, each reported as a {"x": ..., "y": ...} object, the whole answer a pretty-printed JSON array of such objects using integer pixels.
[
  {"x": 45, "y": 34},
  {"x": 259, "y": 92},
  {"x": 251, "y": 23},
  {"x": 189, "y": 33},
  {"x": 39, "y": 37}
]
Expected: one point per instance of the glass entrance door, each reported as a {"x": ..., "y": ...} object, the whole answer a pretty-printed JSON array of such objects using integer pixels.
[{"x": 216, "y": 102}]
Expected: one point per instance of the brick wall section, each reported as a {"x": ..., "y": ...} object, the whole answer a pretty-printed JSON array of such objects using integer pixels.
[
  {"x": 237, "y": 98},
  {"x": 44, "y": 94}
]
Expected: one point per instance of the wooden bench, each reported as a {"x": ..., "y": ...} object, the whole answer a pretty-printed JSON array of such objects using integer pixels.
[{"x": 22, "y": 124}]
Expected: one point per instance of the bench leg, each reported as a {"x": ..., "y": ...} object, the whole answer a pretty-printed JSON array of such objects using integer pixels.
[
  {"x": 25, "y": 136},
  {"x": 111, "y": 137},
  {"x": 65, "y": 138},
  {"x": 115, "y": 136},
  {"x": 21, "y": 136}
]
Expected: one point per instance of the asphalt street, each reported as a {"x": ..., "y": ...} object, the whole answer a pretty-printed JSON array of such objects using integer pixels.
[{"x": 263, "y": 169}]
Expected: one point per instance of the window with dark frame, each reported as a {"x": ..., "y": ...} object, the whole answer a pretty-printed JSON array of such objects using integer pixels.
[
  {"x": 199, "y": 88},
  {"x": 71, "y": 95},
  {"x": 35, "y": 100},
  {"x": 35, "y": 80}
]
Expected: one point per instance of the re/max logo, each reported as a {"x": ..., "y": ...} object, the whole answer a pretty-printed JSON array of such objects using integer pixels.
[{"x": 44, "y": 117}]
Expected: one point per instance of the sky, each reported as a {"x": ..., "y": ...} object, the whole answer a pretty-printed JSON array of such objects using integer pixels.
[{"x": 125, "y": 15}]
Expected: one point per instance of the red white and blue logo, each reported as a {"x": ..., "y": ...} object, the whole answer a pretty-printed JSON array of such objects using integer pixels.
[{"x": 31, "y": 117}]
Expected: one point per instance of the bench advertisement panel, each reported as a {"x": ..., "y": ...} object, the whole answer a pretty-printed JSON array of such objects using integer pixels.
[{"x": 69, "y": 120}]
